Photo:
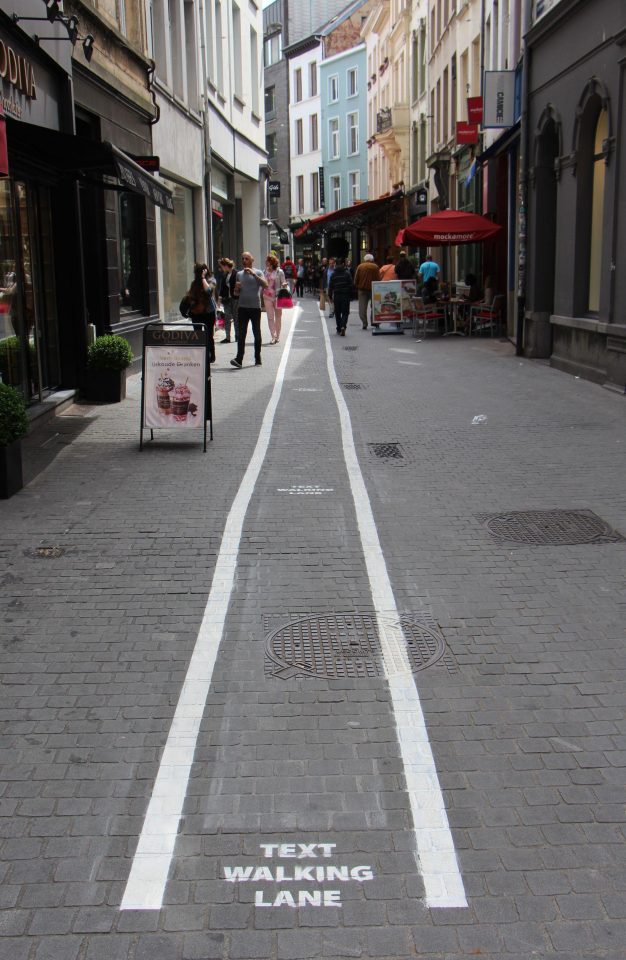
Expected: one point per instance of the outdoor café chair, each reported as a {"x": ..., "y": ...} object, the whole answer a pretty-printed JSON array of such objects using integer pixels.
[
  {"x": 484, "y": 318},
  {"x": 429, "y": 318}
]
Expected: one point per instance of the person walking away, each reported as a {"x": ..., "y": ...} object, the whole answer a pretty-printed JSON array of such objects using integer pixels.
[
  {"x": 404, "y": 268},
  {"x": 429, "y": 269},
  {"x": 300, "y": 275},
  {"x": 250, "y": 283},
  {"x": 323, "y": 284},
  {"x": 275, "y": 280},
  {"x": 201, "y": 293},
  {"x": 340, "y": 292},
  {"x": 366, "y": 273},
  {"x": 227, "y": 301},
  {"x": 388, "y": 270},
  {"x": 289, "y": 269}
]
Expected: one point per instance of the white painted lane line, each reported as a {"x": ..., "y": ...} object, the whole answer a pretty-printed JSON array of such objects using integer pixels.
[
  {"x": 435, "y": 853},
  {"x": 151, "y": 864}
]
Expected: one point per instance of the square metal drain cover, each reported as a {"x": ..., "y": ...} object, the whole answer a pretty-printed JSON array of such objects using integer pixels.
[
  {"x": 350, "y": 348},
  {"x": 352, "y": 386},
  {"x": 387, "y": 451},
  {"x": 334, "y": 646},
  {"x": 550, "y": 527}
]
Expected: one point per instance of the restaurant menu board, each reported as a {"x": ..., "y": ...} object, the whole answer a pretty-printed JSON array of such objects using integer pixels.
[
  {"x": 174, "y": 383},
  {"x": 391, "y": 301}
]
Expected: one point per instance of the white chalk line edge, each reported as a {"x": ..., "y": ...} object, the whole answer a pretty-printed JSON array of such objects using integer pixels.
[
  {"x": 435, "y": 852},
  {"x": 145, "y": 887}
]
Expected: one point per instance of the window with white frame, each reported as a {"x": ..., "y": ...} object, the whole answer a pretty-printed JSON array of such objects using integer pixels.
[
  {"x": 299, "y": 138},
  {"x": 335, "y": 192},
  {"x": 300, "y": 194},
  {"x": 353, "y": 81},
  {"x": 333, "y": 138},
  {"x": 333, "y": 88},
  {"x": 315, "y": 191},
  {"x": 313, "y": 78},
  {"x": 354, "y": 178},
  {"x": 353, "y": 133},
  {"x": 297, "y": 85},
  {"x": 314, "y": 139},
  {"x": 237, "y": 51}
]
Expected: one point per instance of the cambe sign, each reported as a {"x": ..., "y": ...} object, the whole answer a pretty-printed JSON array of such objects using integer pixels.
[{"x": 499, "y": 98}]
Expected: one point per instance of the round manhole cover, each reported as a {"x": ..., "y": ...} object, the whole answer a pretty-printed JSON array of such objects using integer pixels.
[
  {"x": 344, "y": 645},
  {"x": 551, "y": 527}
]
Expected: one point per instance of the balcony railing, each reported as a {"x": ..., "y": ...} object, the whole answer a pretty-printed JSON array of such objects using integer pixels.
[{"x": 383, "y": 120}]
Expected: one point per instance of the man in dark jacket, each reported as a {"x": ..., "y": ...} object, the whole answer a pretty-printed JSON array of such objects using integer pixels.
[
  {"x": 340, "y": 292},
  {"x": 404, "y": 268}
]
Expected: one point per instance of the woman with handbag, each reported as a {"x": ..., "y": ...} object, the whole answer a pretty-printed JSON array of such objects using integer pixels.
[
  {"x": 275, "y": 280},
  {"x": 201, "y": 295}
]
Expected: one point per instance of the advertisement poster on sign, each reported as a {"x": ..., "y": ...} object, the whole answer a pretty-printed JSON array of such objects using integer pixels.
[
  {"x": 392, "y": 301},
  {"x": 175, "y": 383}
]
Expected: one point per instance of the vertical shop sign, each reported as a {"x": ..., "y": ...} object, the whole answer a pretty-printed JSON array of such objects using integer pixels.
[
  {"x": 499, "y": 98},
  {"x": 4, "y": 152},
  {"x": 175, "y": 383}
]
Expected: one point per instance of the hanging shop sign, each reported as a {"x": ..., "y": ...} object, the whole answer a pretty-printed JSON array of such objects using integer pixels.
[
  {"x": 321, "y": 184},
  {"x": 273, "y": 188},
  {"x": 475, "y": 109},
  {"x": 176, "y": 389},
  {"x": 499, "y": 98},
  {"x": 466, "y": 132}
]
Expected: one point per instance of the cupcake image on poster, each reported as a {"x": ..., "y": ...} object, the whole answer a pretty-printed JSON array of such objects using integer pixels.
[
  {"x": 164, "y": 388},
  {"x": 180, "y": 399}
]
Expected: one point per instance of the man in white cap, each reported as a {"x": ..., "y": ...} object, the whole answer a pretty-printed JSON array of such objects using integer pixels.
[{"x": 366, "y": 273}]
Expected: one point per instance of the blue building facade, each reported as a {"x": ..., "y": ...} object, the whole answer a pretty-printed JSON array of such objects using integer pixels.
[{"x": 343, "y": 95}]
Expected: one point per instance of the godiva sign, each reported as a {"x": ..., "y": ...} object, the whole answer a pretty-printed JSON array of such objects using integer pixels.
[{"x": 17, "y": 70}]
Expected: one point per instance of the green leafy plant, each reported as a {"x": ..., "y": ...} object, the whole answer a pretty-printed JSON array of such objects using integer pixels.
[
  {"x": 13, "y": 419},
  {"x": 10, "y": 370},
  {"x": 109, "y": 352}
]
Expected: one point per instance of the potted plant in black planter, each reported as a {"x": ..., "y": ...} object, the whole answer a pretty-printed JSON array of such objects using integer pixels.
[
  {"x": 107, "y": 360},
  {"x": 13, "y": 426}
]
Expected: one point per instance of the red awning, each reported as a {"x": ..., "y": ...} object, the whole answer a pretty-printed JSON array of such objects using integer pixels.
[
  {"x": 358, "y": 215},
  {"x": 448, "y": 228}
]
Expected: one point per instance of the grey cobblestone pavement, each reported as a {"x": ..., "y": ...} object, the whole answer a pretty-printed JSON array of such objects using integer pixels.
[{"x": 525, "y": 711}]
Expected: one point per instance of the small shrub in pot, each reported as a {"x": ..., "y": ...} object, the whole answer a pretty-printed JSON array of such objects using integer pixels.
[
  {"x": 107, "y": 360},
  {"x": 13, "y": 426}
]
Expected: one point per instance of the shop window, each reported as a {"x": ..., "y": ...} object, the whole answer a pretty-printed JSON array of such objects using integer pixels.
[
  {"x": 131, "y": 249},
  {"x": 591, "y": 148},
  {"x": 597, "y": 211},
  {"x": 177, "y": 245}
]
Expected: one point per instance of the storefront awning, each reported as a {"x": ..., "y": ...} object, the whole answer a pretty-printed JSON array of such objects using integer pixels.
[
  {"x": 358, "y": 215},
  {"x": 503, "y": 142},
  {"x": 79, "y": 157}
]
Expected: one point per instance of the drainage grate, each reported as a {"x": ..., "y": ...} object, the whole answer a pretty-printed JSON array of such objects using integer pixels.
[
  {"x": 348, "y": 646},
  {"x": 387, "y": 451},
  {"x": 550, "y": 527},
  {"x": 353, "y": 386},
  {"x": 48, "y": 552},
  {"x": 350, "y": 348}
]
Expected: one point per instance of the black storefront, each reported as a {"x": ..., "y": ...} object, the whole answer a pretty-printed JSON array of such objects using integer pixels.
[
  {"x": 77, "y": 235},
  {"x": 37, "y": 221}
]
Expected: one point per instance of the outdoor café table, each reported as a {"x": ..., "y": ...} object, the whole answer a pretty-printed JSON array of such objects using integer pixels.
[{"x": 452, "y": 310}]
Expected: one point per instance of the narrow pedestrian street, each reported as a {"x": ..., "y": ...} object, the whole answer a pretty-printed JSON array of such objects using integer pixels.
[{"x": 350, "y": 684}]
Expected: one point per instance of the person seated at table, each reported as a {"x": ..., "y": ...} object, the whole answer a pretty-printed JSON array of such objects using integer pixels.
[
  {"x": 473, "y": 294},
  {"x": 489, "y": 293}
]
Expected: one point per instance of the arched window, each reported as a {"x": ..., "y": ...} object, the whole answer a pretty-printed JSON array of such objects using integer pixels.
[{"x": 597, "y": 211}]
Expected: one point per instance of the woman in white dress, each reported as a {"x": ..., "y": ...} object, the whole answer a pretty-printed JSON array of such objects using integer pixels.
[{"x": 275, "y": 279}]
